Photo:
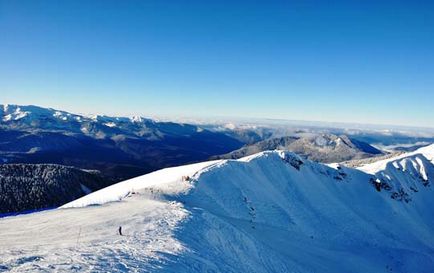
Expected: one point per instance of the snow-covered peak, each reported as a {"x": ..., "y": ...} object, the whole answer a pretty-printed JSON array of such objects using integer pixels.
[
  {"x": 95, "y": 117},
  {"x": 180, "y": 180},
  {"x": 99, "y": 126},
  {"x": 276, "y": 154},
  {"x": 62, "y": 115},
  {"x": 427, "y": 152},
  {"x": 142, "y": 120},
  {"x": 30, "y": 113},
  {"x": 137, "y": 119},
  {"x": 9, "y": 112},
  {"x": 14, "y": 113},
  {"x": 167, "y": 181},
  {"x": 172, "y": 181}
]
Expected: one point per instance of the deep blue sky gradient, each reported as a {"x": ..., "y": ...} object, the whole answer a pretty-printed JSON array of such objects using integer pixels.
[{"x": 350, "y": 61}]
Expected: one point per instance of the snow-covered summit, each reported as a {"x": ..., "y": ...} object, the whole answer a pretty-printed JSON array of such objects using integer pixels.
[
  {"x": 10, "y": 112},
  {"x": 427, "y": 152},
  {"x": 176, "y": 180},
  {"x": 167, "y": 181},
  {"x": 27, "y": 114}
]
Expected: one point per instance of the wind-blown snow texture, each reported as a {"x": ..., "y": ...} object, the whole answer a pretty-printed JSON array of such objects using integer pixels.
[{"x": 269, "y": 212}]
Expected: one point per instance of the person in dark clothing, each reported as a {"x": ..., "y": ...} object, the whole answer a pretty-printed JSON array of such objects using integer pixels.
[
  {"x": 378, "y": 186},
  {"x": 120, "y": 230}
]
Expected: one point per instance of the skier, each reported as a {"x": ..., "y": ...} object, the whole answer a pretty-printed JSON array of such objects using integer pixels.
[
  {"x": 185, "y": 178},
  {"x": 378, "y": 184},
  {"x": 120, "y": 230}
]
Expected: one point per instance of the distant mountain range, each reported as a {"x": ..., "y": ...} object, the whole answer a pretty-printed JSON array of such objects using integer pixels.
[
  {"x": 325, "y": 148},
  {"x": 120, "y": 147}
]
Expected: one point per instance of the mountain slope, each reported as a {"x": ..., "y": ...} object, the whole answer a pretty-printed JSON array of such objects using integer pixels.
[
  {"x": 325, "y": 148},
  {"x": 38, "y": 186},
  {"x": 269, "y": 212}
]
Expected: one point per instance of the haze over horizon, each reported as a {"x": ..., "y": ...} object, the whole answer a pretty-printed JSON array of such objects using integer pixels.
[
  {"x": 247, "y": 121},
  {"x": 367, "y": 62}
]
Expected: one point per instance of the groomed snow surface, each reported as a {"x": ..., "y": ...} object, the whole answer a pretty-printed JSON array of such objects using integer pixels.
[{"x": 270, "y": 212}]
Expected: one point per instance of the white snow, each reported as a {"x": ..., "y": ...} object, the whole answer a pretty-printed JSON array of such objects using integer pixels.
[
  {"x": 7, "y": 117},
  {"x": 167, "y": 181},
  {"x": 33, "y": 113},
  {"x": 86, "y": 240},
  {"x": 110, "y": 124},
  {"x": 269, "y": 212},
  {"x": 20, "y": 114},
  {"x": 136, "y": 119},
  {"x": 427, "y": 152},
  {"x": 13, "y": 113},
  {"x": 84, "y": 130},
  {"x": 61, "y": 115}
]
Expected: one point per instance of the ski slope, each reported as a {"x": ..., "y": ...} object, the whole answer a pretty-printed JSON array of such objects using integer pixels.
[{"x": 269, "y": 212}]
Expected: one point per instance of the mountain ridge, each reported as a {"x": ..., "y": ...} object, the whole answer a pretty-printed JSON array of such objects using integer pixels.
[
  {"x": 120, "y": 147},
  {"x": 326, "y": 148},
  {"x": 269, "y": 212}
]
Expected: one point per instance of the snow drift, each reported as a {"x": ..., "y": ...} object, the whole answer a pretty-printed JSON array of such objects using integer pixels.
[{"x": 269, "y": 212}]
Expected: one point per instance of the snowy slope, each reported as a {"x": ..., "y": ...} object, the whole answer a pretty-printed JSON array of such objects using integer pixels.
[
  {"x": 426, "y": 152},
  {"x": 168, "y": 181},
  {"x": 269, "y": 212}
]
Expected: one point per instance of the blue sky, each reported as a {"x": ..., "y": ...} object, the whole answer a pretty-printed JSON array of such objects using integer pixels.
[{"x": 349, "y": 61}]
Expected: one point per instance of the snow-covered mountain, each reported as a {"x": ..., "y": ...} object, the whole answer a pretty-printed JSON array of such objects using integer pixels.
[
  {"x": 269, "y": 212},
  {"x": 325, "y": 148},
  {"x": 37, "y": 118},
  {"x": 120, "y": 147}
]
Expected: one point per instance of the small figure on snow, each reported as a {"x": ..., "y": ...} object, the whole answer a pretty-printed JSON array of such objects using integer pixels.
[
  {"x": 185, "y": 178},
  {"x": 378, "y": 184},
  {"x": 120, "y": 230}
]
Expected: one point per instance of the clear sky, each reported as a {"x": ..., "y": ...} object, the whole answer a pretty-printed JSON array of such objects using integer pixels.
[{"x": 350, "y": 61}]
